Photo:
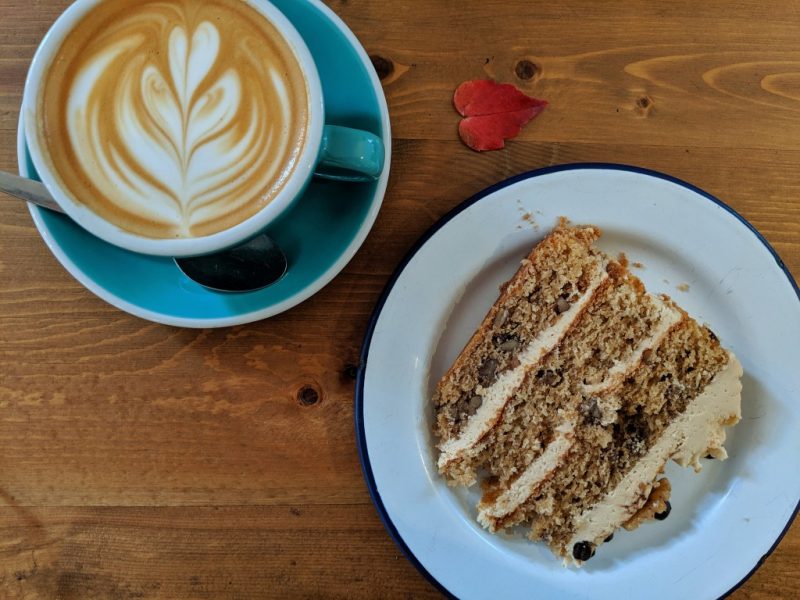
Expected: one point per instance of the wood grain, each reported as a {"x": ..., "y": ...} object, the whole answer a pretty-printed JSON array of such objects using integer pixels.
[
  {"x": 143, "y": 461},
  {"x": 204, "y": 552}
]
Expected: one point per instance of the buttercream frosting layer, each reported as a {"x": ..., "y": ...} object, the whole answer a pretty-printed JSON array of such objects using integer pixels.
[{"x": 555, "y": 453}]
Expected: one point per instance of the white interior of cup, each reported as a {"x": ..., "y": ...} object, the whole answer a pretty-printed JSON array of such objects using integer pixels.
[{"x": 113, "y": 234}]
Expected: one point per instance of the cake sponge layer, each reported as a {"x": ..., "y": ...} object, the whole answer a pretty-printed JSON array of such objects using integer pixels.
[{"x": 535, "y": 309}]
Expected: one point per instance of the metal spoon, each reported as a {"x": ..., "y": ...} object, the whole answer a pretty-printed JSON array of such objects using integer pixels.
[{"x": 250, "y": 266}]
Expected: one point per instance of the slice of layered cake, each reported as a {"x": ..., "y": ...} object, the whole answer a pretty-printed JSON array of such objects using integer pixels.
[{"x": 573, "y": 394}]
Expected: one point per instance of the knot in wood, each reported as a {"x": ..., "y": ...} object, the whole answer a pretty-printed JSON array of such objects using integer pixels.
[
  {"x": 308, "y": 395},
  {"x": 350, "y": 372},
  {"x": 383, "y": 66},
  {"x": 525, "y": 69}
]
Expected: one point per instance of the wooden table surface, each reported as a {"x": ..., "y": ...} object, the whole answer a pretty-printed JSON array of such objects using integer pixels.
[{"x": 145, "y": 461}]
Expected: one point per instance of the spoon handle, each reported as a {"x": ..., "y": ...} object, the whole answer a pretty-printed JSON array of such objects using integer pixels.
[{"x": 27, "y": 189}]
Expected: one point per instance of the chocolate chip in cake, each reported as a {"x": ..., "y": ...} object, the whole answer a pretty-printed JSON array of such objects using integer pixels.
[
  {"x": 583, "y": 551},
  {"x": 501, "y": 317},
  {"x": 487, "y": 370},
  {"x": 674, "y": 391},
  {"x": 665, "y": 376},
  {"x": 636, "y": 428},
  {"x": 609, "y": 538},
  {"x": 591, "y": 411},
  {"x": 663, "y": 515},
  {"x": 712, "y": 335},
  {"x": 474, "y": 404},
  {"x": 551, "y": 378},
  {"x": 636, "y": 431},
  {"x": 709, "y": 457},
  {"x": 562, "y": 305},
  {"x": 509, "y": 345}
]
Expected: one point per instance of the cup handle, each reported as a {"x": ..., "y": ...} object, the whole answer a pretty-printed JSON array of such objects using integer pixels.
[{"x": 349, "y": 155}]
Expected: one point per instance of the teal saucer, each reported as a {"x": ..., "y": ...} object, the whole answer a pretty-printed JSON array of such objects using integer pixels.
[{"x": 319, "y": 235}]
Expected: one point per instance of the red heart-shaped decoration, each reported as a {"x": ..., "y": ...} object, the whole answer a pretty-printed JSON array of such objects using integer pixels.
[{"x": 494, "y": 112}]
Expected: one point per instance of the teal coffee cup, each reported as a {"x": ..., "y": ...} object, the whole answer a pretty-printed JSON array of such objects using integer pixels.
[{"x": 161, "y": 173}]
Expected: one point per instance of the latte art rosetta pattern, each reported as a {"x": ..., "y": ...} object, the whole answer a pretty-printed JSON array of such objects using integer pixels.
[{"x": 181, "y": 121}]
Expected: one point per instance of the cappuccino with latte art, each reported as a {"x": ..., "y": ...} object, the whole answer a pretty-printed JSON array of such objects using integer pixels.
[{"x": 173, "y": 118}]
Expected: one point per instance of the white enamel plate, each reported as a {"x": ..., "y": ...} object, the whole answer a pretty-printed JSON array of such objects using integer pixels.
[{"x": 724, "y": 521}]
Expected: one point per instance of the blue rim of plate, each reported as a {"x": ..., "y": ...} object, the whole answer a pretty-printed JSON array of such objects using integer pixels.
[
  {"x": 361, "y": 439},
  {"x": 319, "y": 236}
]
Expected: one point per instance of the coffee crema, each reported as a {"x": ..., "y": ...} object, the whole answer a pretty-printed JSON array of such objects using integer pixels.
[{"x": 174, "y": 118}]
